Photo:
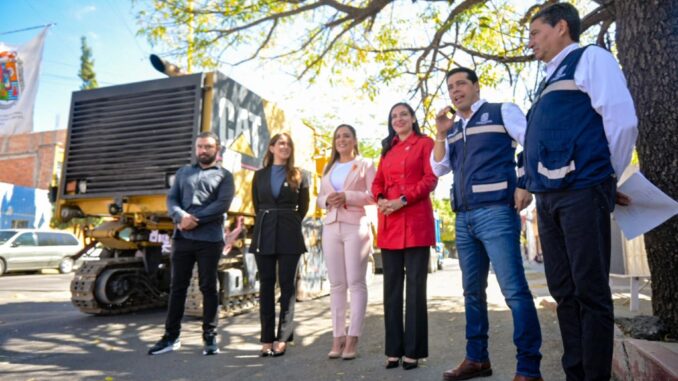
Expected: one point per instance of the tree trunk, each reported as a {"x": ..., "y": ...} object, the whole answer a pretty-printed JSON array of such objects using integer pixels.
[{"x": 647, "y": 38}]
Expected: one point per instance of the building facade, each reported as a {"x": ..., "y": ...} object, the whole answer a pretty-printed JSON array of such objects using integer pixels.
[
  {"x": 28, "y": 165},
  {"x": 30, "y": 160}
]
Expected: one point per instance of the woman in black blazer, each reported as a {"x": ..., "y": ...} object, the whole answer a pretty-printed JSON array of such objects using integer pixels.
[{"x": 280, "y": 195}]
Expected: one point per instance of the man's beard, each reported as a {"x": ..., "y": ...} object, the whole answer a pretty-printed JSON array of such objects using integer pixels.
[{"x": 207, "y": 159}]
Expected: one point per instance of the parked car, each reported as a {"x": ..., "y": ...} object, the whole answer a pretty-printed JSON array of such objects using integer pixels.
[{"x": 32, "y": 249}]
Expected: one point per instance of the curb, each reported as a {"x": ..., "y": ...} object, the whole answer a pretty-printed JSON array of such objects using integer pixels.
[{"x": 638, "y": 360}]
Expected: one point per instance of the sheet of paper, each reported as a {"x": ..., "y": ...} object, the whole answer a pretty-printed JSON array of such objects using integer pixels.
[{"x": 649, "y": 208}]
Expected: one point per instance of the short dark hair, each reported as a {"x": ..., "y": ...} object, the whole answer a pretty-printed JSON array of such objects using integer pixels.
[
  {"x": 209, "y": 134},
  {"x": 471, "y": 74},
  {"x": 561, "y": 11}
]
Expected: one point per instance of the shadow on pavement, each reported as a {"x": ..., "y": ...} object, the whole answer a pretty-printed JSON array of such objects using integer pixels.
[{"x": 63, "y": 344}]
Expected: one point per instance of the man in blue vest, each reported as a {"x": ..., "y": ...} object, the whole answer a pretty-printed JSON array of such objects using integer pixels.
[
  {"x": 480, "y": 149},
  {"x": 580, "y": 135}
]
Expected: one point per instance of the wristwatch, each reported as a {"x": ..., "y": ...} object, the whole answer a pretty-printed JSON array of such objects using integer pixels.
[{"x": 403, "y": 199}]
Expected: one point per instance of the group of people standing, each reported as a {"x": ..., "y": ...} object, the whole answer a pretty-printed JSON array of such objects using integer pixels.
[{"x": 577, "y": 138}]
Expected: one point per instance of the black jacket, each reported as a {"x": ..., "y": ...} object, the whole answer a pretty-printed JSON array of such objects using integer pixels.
[
  {"x": 277, "y": 228},
  {"x": 205, "y": 194}
]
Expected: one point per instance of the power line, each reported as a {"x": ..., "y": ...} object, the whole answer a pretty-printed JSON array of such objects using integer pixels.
[
  {"x": 124, "y": 22},
  {"x": 98, "y": 71},
  {"x": 29, "y": 28},
  {"x": 74, "y": 79}
]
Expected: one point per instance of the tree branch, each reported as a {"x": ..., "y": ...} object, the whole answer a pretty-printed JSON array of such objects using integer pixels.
[
  {"x": 598, "y": 15},
  {"x": 600, "y": 41},
  {"x": 262, "y": 45},
  {"x": 327, "y": 48},
  {"x": 435, "y": 42},
  {"x": 492, "y": 57}
]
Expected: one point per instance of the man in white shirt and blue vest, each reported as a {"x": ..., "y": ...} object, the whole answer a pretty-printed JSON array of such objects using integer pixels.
[
  {"x": 480, "y": 149},
  {"x": 580, "y": 135}
]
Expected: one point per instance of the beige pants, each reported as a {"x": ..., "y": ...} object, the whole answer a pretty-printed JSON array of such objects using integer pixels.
[{"x": 347, "y": 248}]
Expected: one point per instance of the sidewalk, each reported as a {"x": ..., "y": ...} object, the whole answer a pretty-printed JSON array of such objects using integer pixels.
[
  {"x": 633, "y": 360},
  {"x": 307, "y": 359},
  {"x": 50, "y": 340}
]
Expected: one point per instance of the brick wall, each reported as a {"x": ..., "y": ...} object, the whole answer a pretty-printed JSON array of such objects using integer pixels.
[{"x": 28, "y": 159}]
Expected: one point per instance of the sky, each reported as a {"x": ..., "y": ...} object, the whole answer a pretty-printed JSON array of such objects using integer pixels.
[
  {"x": 109, "y": 27},
  {"x": 121, "y": 56}
]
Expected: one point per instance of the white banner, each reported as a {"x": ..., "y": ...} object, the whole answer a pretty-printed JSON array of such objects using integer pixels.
[{"x": 19, "y": 70}]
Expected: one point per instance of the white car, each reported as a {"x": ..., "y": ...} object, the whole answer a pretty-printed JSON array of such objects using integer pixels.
[{"x": 32, "y": 249}]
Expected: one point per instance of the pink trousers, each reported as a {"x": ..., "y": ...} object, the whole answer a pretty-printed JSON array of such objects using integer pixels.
[{"x": 347, "y": 248}]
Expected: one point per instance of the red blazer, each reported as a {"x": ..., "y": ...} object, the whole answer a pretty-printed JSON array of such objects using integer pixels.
[{"x": 406, "y": 170}]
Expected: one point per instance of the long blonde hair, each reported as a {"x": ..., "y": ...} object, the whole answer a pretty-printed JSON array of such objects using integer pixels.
[
  {"x": 293, "y": 174},
  {"x": 335, "y": 154}
]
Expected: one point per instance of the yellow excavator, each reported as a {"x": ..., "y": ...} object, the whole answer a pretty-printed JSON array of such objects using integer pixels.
[{"x": 124, "y": 145}]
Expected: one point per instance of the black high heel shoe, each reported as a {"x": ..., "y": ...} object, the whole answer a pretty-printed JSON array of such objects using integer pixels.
[
  {"x": 390, "y": 364},
  {"x": 279, "y": 353},
  {"x": 266, "y": 350},
  {"x": 410, "y": 365}
]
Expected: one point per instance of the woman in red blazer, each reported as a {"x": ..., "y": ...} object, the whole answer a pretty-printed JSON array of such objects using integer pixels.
[{"x": 402, "y": 185}]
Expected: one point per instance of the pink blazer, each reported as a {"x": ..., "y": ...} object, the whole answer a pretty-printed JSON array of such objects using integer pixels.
[{"x": 357, "y": 189}]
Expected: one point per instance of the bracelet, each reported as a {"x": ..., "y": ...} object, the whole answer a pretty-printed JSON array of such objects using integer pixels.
[{"x": 441, "y": 140}]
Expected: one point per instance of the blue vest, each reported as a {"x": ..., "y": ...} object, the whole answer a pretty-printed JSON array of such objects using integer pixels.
[
  {"x": 565, "y": 143},
  {"x": 483, "y": 163}
]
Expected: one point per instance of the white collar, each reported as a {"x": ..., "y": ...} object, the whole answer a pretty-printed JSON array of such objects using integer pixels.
[
  {"x": 552, "y": 65},
  {"x": 474, "y": 107}
]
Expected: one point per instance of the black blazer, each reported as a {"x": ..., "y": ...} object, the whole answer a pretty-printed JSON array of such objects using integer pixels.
[{"x": 277, "y": 228}]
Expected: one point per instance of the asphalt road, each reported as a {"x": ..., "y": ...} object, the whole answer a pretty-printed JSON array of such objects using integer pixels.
[{"x": 42, "y": 337}]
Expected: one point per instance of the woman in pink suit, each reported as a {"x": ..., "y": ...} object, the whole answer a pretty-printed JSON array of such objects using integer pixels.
[
  {"x": 402, "y": 185},
  {"x": 346, "y": 239}
]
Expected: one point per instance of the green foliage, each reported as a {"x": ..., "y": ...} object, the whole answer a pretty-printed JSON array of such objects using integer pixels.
[
  {"x": 447, "y": 218},
  {"x": 363, "y": 44},
  {"x": 86, "y": 73},
  {"x": 367, "y": 149},
  {"x": 75, "y": 225},
  {"x": 634, "y": 158}
]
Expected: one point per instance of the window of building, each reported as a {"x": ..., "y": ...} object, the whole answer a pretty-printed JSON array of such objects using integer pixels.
[{"x": 19, "y": 224}]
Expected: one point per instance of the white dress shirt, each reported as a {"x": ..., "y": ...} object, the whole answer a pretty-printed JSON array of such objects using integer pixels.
[
  {"x": 514, "y": 122},
  {"x": 339, "y": 173},
  {"x": 598, "y": 75}
]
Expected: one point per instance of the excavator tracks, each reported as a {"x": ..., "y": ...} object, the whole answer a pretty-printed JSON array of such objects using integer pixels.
[
  {"x": 230, "y": 306},
  {"x": 142, "y": 295}
]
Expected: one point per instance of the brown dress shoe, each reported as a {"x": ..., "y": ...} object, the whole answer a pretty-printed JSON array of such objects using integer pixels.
[
  {"x": 519, "y": 377},
  {"x": 468, "y": 369}
]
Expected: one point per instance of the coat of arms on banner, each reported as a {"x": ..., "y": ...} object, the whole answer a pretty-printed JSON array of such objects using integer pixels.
[
  {"x": 10, "y": 87},
  {"x": 19, "y": 75}
]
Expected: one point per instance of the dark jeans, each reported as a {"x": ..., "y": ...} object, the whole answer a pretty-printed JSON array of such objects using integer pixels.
[
  {"x": 286, "y": 265},
  {"x": 406, "y": 267},
  {"x": 185, "y": 253},
  {"x": 492, "y": 235},
  {"x": 574, "y": 229}
]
